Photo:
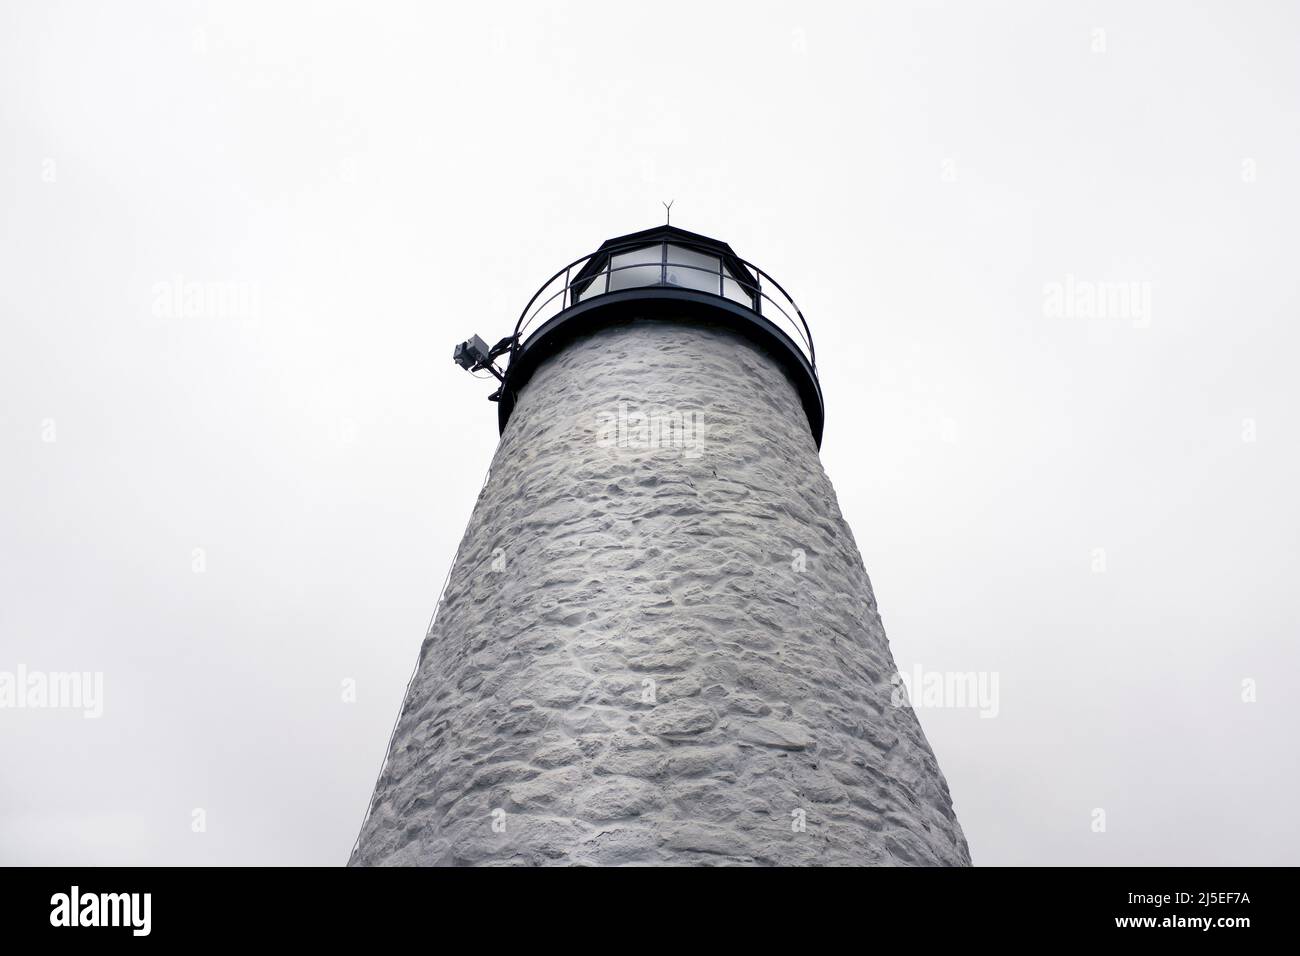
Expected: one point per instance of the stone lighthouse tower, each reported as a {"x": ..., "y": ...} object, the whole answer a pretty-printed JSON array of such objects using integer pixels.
[{"x": 657, "y": 644}]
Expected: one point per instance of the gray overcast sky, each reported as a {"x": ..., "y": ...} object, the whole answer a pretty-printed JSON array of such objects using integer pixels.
[{"x": 1098, "y": 504}]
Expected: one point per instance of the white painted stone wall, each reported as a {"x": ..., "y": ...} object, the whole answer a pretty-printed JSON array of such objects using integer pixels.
[{"x": 662, "y": 654}]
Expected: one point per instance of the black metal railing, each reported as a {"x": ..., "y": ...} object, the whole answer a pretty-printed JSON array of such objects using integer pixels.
[{"x": 575, "y": 283}]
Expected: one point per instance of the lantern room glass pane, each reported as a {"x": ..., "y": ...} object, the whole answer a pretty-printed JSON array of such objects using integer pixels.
[
  {"x": 688, "y": 269},
  {"x": 736, "y": 291},
  {"x": 594, "y": 288},
  {"x": 639, "y": 267}
]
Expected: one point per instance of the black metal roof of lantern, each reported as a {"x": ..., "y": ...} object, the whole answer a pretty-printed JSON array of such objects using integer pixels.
[{"x": 664, "y": 272}]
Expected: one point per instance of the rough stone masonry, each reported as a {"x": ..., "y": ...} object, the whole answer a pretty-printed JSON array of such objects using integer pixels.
[{"x": 652, "y": 653}]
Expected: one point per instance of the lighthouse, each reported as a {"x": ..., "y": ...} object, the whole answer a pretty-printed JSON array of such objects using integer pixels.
[{"x": 657, "y": 644}]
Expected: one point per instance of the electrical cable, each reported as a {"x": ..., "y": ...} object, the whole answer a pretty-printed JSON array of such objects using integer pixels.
[{"x": 392, "y": 734}]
